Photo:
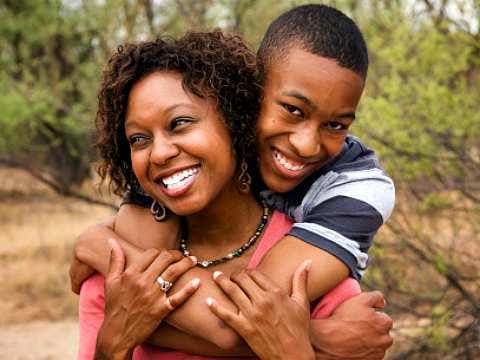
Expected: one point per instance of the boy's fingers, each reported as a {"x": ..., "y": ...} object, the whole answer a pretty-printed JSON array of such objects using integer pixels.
[
  {"x": 299, "y": 283},
  {"x": 117, "y": 259},
  {"x": 79, "y": 272},
  {"x": 374, "y": 299}
]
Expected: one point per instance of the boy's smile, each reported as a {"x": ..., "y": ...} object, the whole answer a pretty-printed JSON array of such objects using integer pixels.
[{"x": 308, "y": 106}]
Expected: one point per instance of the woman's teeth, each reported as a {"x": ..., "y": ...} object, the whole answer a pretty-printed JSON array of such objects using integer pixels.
[
  {"x": 288, "y": 164},
  {"x": 177, "y": 179}
]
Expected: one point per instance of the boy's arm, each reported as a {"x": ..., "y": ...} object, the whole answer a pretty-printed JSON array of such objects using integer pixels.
[
  {"x": 134, "y": 223},
  {"x": 327, "y": 270},
  {"x": 336, "y": 230}
]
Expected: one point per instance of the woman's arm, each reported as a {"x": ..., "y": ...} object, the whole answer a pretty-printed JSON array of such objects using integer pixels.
[{"x": 135, "y": 304}]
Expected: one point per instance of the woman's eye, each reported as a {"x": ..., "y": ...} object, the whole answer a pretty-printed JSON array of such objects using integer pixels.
[
  {"x": 293, "y": 110},
  {"x": 336, "y": 126},
  {"x": 180, "y": 121},
  {"x": 137, "y": 140}
]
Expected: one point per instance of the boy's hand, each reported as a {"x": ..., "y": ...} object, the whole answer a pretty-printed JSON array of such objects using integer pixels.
[
  {"x": 355, "y": 330},
  {"x": 79, "y": 272}
]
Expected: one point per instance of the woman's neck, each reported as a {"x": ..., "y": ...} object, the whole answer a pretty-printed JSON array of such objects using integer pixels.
[{"x": 229, "y": 221}]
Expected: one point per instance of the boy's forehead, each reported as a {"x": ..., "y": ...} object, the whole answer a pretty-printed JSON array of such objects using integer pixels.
[
  {"x": 297, "y": 66},
  {"x": 316, "y": 81}
]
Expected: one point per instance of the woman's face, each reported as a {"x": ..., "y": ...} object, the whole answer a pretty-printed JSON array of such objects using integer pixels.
[{"x": 181, "y": 150}]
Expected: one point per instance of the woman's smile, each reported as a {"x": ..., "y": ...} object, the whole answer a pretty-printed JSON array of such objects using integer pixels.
[
  {"x": 181, "y": 149},
  {"x": 179, "y": 182}
]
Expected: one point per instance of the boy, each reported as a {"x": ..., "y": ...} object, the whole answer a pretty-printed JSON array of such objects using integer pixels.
[{"x": 314, "y": 63}]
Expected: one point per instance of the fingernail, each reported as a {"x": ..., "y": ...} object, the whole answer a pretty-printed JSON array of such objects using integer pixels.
[
  {"x": 194, "y": 259},
  {"x": 216, "y": 274},
  {"x": 209, "y": 301},
  {"x": 308, "y": 264},
  {"x": 111, "y": 242},
  {"x": 195, "y": 282}
]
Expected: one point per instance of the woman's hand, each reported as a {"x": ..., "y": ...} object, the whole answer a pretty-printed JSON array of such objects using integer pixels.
[
  {"x": 274, "y": 324},
  {"x": 135, "y": 304}
]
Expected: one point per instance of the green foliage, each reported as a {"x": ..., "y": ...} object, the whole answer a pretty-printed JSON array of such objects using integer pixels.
[{"x": 420, "y": 108}]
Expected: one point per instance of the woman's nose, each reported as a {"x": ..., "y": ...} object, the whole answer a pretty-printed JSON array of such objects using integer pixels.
[{"x": 163, "y": 150}]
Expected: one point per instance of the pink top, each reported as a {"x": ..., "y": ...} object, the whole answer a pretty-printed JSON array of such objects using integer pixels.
[{"x": 92, "y": 302}]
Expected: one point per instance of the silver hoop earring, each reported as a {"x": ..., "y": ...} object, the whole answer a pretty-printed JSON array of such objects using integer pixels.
[{"x": 158, "y": 211}]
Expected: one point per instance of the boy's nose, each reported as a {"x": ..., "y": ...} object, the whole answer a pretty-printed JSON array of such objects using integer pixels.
[{"x": 305, "y": 143}]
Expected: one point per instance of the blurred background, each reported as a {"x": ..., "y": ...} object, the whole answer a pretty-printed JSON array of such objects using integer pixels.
[{"x": 420, "y": 111}]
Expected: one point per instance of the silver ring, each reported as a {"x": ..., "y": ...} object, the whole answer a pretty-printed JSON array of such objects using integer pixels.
[{"x": 164, "y": 284}]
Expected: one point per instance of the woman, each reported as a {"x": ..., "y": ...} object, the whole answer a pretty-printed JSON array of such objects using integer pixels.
[{"x": 163, "y": 107}]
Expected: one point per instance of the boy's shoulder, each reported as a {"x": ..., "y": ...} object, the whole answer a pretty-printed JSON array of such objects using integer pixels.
[
  {"x": 355, "y": 169},
  {"x": 355, "y": 156}
]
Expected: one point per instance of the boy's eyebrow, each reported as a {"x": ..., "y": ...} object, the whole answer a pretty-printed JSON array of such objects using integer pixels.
[
  {"x": 301, "y": 97},
  {"x": 306, "y": 100},
  {"x": 350, "y": 115}
]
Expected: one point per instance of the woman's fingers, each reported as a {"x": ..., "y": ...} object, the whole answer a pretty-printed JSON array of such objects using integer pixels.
[
  {"x": 227, "y": 316},
  {"x": 263, "y": 281},
  {"x": 170, "y": 266},
  {"x": 245, "y": 280},
  {"x": 177, "y": 299},
  {"x": 299, "y": 283},
  {"x": 117, "y": 260},
  {"x": 143, "y": 261},
  {"x": 232, "y": 290}
]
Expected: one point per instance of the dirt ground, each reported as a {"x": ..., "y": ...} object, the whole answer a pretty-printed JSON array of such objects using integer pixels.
[
  {"x": 39, "y": 340},
  {"x": 37, "y": 230}
]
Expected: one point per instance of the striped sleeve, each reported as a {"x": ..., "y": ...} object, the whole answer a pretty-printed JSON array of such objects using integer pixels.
[{"x": 342, "y": 212}]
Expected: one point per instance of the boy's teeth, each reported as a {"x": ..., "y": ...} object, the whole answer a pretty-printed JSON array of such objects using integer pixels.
[
  {"x": 177, "y": 178},
  {"x": 282, "y": 160}
]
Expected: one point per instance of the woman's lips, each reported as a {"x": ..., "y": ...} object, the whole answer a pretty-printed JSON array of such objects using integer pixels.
[{"x": 180, "y": 182}]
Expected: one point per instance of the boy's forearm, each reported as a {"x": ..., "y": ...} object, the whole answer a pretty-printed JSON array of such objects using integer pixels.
[
  {"x": 93, "y": 249},
  {"x": 170, "y": 337},
  {"x": 326, "y": 272}
]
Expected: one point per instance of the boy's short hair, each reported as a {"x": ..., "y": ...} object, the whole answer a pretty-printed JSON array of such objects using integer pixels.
[{"x": 319, "y": 29}]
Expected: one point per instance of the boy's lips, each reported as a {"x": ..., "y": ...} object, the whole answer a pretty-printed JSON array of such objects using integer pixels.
[{"x": 287, "y": 166}]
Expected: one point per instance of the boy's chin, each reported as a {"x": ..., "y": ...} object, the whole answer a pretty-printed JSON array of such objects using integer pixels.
[{"x": 279, "y": 184}]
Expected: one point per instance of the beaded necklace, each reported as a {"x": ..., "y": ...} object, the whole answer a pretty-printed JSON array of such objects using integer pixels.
[{"x": 236, "y": 253}]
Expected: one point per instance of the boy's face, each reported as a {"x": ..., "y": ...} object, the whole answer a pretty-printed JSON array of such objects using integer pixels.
[{"x": 309, "y": 104}]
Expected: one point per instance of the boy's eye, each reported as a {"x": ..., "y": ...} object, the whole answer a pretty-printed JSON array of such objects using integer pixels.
[
  {"x": 180, "y": 121},
  {"x": 336, "y": 126},
  {"x": 293, "y": 110}
]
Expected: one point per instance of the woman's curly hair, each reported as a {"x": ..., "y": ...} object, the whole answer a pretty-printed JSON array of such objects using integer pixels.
[{"x": 213, "y": 64}]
